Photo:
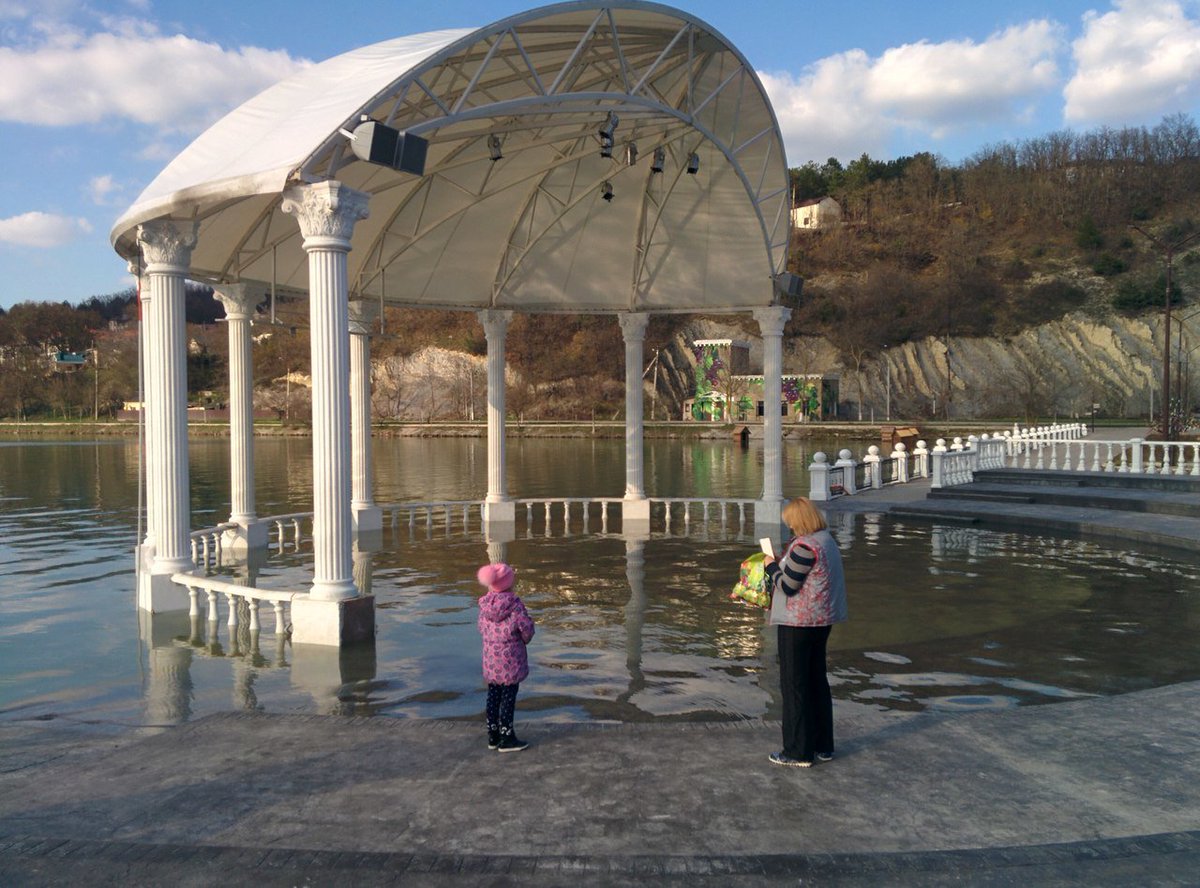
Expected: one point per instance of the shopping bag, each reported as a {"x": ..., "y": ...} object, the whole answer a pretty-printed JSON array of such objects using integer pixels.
[{"x": 751, "y": 587}]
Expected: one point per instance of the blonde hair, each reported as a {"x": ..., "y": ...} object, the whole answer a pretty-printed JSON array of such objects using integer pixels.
[{"x": 803, "y": 517}]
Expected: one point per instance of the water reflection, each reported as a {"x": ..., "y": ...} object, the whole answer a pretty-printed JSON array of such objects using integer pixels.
[{"x": 630, "y": 629}]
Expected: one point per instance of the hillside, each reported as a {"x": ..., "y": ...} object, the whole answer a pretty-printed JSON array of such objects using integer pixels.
[{"x": 1035, "y": 263}]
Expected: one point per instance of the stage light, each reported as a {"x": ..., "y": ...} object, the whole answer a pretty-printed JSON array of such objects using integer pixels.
[
  {"x": 660, "y": 158},
  {"x": 631, "y": 153},
  {"x": 494, "y": 147},
  {"x": 606, "y": 191},
  {"x": 607, "y": 129},
  {"x": 693, "y": 164}
]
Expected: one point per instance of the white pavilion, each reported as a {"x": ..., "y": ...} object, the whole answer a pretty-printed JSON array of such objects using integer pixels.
[{"x": 616, "y": 158}]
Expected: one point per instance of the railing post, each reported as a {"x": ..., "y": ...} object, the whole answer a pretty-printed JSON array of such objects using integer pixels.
[
  {"x": 921, "y": 452},
  {"x": 847, "y": 464},
  {"x": 937, "y": 466},
  {"x": 818, "y": 478},
  {"x": 872, "y": 459},
  {"x": 1136, "y": 453},
  {"x": 900, "y": 461}
]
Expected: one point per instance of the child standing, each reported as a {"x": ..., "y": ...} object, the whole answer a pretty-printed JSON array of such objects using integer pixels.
[{"x": 506, "y": 628}]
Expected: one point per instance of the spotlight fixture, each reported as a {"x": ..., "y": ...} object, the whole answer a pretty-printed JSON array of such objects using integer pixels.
[
  {"x": 494, "y": 147},
  {"x": 693, "y": 164},
  {"x": 607, "y": 129},
  {"x": 660, "y": 158},
  {"x": 631, "y": 153},
  {"x": 606, "y": 191}
]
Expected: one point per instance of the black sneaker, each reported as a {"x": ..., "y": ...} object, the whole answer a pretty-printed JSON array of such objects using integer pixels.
[
  {"x": 493, "y": 739},
  {"x": 510, "y": 743},
  {"x": 824, "y": 756},
  {"x": 778, "y": 758}
]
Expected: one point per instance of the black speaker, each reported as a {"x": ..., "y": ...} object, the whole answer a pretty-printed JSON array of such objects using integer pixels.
[
  {"x": 376, "y": 143},
  {"x": 789, "y": 285}
]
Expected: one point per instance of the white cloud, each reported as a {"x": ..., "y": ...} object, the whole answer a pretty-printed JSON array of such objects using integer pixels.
[
  {"x": 1136, "y": 62},
  {"x": 849, "y": 103},
  {"x": 131, "y": 73},
  {"x": 102, "y": 189},
  {"x": 43, "y": 230}
]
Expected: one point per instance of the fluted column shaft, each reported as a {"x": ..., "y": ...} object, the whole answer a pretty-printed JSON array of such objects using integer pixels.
[
  {"x": 327, "y": 213},
  {"x": 770, "y": 323},
  {"x": 143, "y": 291},
  {"x": 633, "y": 329},
  {"x": 240, "y": 301},
  {"x": 167, "y": 250},
  {"x": 495, "y": 327},
  {"x": 362, "y": 314}
]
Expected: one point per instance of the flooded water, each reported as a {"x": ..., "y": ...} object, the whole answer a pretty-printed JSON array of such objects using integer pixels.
[{"x": 942, "y": 617}]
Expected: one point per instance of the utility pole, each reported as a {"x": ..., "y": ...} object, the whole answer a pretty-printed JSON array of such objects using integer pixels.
[
  {"x": 1168, "y": 251},
  {"x": 96, "y": 389}
]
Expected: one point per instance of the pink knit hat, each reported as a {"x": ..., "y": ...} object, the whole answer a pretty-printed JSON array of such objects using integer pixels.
[{"x": 497, "y": 577}]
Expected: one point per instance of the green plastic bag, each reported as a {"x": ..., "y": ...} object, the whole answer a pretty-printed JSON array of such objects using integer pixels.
[{"x": 751, "y": 587}]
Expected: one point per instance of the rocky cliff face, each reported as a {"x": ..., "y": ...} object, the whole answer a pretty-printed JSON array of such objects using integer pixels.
[{"x": 1058, "y": 369}]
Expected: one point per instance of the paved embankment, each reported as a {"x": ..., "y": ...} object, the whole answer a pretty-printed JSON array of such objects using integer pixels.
[{"x": 1099, "y": 791}]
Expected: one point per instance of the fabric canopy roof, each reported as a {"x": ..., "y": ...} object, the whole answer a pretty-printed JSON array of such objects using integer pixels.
[{"x": 530, "y": 231}]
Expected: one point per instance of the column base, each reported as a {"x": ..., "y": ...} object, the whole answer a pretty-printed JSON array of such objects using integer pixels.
[
  {"x": 333, "y": 623},
  {"x": 499, "y": 514},
  {"x": 768, "y": 518},
  {"x": 158, "y": 594},
  {"x": 367, "y": 519},
  {"x": 247, "y": 535},
  {"x": 635, "y": 516}
]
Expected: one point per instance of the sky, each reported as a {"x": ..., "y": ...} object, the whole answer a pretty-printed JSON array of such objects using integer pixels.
[{"x": 97, "y": 97}]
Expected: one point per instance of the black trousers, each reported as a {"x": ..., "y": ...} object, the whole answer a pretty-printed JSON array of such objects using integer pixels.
[
  {"x": 807, "y": 703},
  {"x": 501, "y": 701}
]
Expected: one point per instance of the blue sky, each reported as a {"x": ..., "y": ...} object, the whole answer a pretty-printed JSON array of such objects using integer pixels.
[{"x": 96, "y": 97}]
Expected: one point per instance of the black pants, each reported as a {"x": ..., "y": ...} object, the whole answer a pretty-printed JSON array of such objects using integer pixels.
[
  {"x": 807, "y": 703},
  {"x": 501, "y": 701}
]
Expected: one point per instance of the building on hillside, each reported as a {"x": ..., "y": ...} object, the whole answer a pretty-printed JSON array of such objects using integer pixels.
[
  {"x": 816, "y": 212},
  {"x": 725, "y": 390}
]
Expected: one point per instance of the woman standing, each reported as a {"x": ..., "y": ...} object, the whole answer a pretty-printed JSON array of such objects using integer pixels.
[{"x": 808, "y": 595}]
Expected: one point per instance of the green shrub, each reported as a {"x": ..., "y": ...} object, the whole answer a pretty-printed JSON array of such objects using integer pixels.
[{"x": 1107, "y": 264}]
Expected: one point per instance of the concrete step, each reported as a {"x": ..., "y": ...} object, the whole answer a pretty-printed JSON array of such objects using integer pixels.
[
  {"x": 1118, "y": 499},
  {"x": 1115, "y": 526},
  {"x": 1117, "y": 480}
]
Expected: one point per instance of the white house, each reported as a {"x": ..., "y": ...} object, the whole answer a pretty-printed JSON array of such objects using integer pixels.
[{"x": 816, "y": 212}]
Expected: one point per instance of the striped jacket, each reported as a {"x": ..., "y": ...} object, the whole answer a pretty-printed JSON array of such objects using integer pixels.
[{"x": 812, "y": 581}]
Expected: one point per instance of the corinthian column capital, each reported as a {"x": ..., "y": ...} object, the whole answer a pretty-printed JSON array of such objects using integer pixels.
[
  {"x": 633, "y": 325},
  {"x": 239, "y": 300},
  {"x": 167, "y": 244},
  {"x": 362, "y": 316},
  {"x": 326, "y": 212},
  {"x": 771, "y": 320}
]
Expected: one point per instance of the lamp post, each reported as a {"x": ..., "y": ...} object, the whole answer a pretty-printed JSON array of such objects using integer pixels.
[
  {"x": 887, "y": 369},
  {"x": 1168, "y": 251}
]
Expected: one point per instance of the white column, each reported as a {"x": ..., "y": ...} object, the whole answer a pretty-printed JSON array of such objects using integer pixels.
[
  {"x": 367, "y": 516},
  {"x": 239, "y": 302},
  {"x": 498, "y": 508},
  {"x": 167, "y": 250},
  {"x": 636, "y": 507},
  {"x": 327, "y": 213},
  {"x": 147, "y": 553},
  {"x": 769, "y": 510}
]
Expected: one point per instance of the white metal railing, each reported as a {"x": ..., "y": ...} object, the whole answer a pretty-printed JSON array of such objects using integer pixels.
[{"x": 213, "y": 588}]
